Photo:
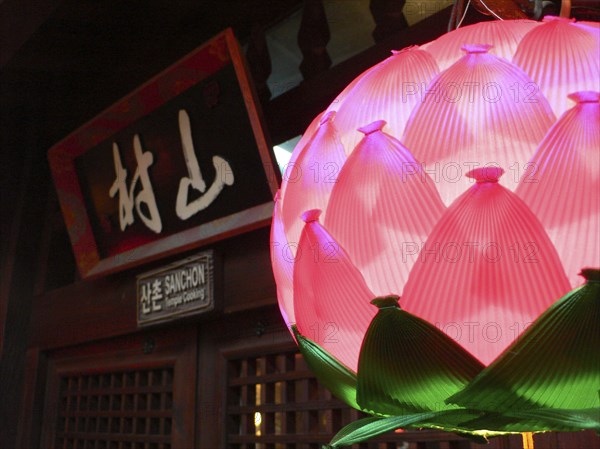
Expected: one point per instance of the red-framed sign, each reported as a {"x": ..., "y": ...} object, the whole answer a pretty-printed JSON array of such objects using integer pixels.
[{"x": 180, "y": 162}]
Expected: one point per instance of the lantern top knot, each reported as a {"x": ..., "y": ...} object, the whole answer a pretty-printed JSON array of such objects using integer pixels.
[
  {"x": 311, "y": 215},
  {"x": 377, "y": 125},
  {"x": 485, "y": 174},
  {"x": 591, "y": 274},
  {"x": 476, "y": 48},
  {"x": 557, "y": 19},
  {"x": 585, "y": 96},
  {"x": 409, "y": 48},
  {"x": 327, "y": 117},
  {"x": 386, "y": 302}
]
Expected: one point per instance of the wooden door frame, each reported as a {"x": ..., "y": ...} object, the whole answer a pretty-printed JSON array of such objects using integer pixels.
[
  {"x": 256, "y": 332},
  {"x": 175, "y": 347}
]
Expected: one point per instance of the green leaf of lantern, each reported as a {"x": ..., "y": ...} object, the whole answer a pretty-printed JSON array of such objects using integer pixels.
[
  {"x": 407, "y": 365},
  {"x": 363, "y": 429},
  {"x": 370, "y": 427},
  {"x": 341, "y": 381},
  {"x": 554, "y": 364},
  {"x": 561, "y": 419},
  {"x": 332, "y": 373},
  {"x": 536, "y": 420}
]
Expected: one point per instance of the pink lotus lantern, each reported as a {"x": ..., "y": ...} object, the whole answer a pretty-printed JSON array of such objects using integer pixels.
[{"x": 433, "y": 221}]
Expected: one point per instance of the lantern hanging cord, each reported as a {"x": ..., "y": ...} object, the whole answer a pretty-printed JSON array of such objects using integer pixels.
[
  {"x": 464, "y": 15},
  {"x": 491, "y": 12}
]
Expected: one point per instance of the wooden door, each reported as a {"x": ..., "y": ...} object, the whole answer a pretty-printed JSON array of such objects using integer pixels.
[{"x": 135, "y": 392}]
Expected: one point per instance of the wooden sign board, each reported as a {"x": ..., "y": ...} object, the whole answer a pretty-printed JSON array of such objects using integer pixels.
[
  {"x": 181, "y": 289},
  {"x": 180, "y": 162}
]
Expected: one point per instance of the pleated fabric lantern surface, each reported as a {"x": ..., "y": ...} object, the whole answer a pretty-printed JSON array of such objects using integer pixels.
[{"x": 436, "y": 240}]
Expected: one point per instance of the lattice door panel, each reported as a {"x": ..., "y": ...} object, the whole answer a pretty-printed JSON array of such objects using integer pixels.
[
  {"x": 118, "y": 410},
  {"x": 274, "y": 402},
  {"x": 134, "y": 392}
]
